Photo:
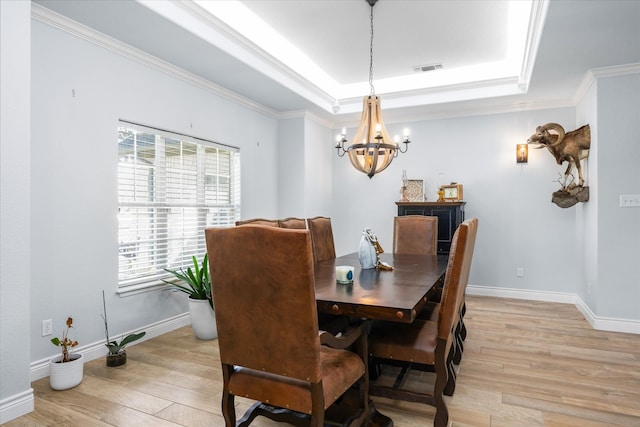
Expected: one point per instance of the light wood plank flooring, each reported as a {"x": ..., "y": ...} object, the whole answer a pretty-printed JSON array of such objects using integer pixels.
[{"x": 525, "y": 363}]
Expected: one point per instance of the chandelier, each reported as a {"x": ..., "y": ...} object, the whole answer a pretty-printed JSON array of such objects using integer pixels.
[{"x": 372, "y": 149}]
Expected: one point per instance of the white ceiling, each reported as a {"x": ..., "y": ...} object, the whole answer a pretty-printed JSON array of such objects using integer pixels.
[{"x": 314, "y": 54}]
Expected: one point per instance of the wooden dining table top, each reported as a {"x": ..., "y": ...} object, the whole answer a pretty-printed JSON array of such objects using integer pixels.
[{"x": 396, "y": 295}]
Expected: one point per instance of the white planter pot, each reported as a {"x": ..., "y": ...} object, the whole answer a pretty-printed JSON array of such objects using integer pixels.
[
  {"x": 63, "y": 376},
  {"x": 203, "y": 319}
]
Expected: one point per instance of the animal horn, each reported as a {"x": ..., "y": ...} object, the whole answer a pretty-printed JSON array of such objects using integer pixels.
[{"x": 557, "y": 128}]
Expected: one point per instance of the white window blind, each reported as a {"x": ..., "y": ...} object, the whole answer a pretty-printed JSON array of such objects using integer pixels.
[{"x": 170, "y": 188}]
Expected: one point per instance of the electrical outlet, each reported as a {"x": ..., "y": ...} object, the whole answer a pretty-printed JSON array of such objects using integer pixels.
[
  {"x": 47, "y": 327},
  {"x": 519, "y": 272}
]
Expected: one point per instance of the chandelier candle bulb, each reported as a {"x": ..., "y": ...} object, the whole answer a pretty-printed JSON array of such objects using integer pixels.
[{"x": 344, "y": 274}]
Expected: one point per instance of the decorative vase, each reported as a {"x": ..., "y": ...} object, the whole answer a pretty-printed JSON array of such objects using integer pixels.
[
  {"x": 203, "y": 319},
  {"x": 367, "y": 251},
  {"x": 117, "y": 359},
  {"x": 63, "y": 376}
]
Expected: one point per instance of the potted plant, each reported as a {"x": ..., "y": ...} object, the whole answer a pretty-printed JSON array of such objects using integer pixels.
[
  {"x": 66, "y": 370},
  {"x": 117, "y": 354},
  {"x": 195, "y": 283}
]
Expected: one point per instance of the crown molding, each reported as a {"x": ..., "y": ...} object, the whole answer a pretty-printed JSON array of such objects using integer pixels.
[
  {"x": 395, "y": 108},
  {"x": 76, "y": 29},
  {"x": 597, "y": 73},
  {"x": 304, "y": 114},
  {"x": 251, "y": 54},
  {"x": 534, "y": 34}
]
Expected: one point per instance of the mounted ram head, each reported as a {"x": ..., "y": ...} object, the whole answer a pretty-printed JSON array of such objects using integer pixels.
[{"x": 571, "y": 146}]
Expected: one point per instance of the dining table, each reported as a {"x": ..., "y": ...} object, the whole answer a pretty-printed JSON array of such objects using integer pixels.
[{"x": 395, "y": 295}]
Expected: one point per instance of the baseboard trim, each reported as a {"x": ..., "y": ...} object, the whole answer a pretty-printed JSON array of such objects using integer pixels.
[
  {"x": 40, "y": 368},
  {"x": 607, "y": 323},
  {"x": 488, "y": 291},
  {"x": 16, "y": 406},
  {"x": 599, "y": 323},
  {"x": 22, "y": 403}
]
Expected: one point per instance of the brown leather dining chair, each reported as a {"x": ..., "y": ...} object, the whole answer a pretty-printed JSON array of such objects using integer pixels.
[
  {"x": 431, "y": 312},
  {"x": 415, "y": 234},
  {"x": 322, "y": 237},
  {"x": 428, "y": 345},
  {"x": 291, "y": 222},
  {"x": 271, "y": 350}
]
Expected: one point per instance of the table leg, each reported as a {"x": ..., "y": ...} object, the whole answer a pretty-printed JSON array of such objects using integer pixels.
[{"x": 377, "y": 419}]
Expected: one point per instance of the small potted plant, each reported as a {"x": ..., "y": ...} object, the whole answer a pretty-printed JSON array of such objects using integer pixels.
[
  {"x": 198, "y": 288},
  {"x": 66, "y": 370},
  {"x": 117, "y": 354}
]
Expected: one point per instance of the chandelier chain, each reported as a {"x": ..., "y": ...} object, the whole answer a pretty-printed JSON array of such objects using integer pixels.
[{"x": 373, "y": 92}]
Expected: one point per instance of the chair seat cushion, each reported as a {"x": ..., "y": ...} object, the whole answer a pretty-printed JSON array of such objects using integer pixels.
[
  {"x": 415, "y": 342},
  {"x": 340, "y": 369}
]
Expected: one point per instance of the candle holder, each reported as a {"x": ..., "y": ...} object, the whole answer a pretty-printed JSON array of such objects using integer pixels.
[{"x": 403, "y": 189}]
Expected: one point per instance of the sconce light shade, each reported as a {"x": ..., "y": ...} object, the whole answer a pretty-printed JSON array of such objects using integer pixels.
[{"x": 522, "y": 153}]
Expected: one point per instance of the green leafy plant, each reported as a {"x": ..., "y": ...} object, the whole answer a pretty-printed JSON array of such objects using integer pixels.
[
  {"x": 114, "y": 346},
  {"x": 198, "y": 285},
  {"x": 66, "y": 343}
]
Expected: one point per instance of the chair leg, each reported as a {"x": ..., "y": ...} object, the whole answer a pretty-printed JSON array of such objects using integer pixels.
[
  {"x": 250, "y": 415},
  {"x": 458, "y": 349},
  {"x": 442, "y": 377},
  {"x": 317, "y": 405},
  {"x": 451, "y": 380},
  {"x": 450, "y": 385},
  {"x": 463, "y": 328},
  {"x": 228, "y": 408},
  {"x": 457, "y": 353}
]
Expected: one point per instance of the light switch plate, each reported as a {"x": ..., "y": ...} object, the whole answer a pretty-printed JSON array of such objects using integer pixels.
[{"x": 629, "y": 200}]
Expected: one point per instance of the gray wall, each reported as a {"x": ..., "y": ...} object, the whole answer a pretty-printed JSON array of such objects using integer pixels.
[
  {"x": 79, "y": 93},
  {"x": 519, "y": 226},
  {"x": 617, "y": 282},
  {"x": 15, "y": 210}
]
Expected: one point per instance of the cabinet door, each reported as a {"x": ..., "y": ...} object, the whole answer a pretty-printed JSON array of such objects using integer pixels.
[{"x": 446, "y": 226}]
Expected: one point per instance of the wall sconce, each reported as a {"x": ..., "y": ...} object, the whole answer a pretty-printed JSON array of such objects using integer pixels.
[{"x": 522, "y": 153}]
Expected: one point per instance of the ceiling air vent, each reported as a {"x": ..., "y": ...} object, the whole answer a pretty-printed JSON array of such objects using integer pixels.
[{"x": 425, "y": 68}]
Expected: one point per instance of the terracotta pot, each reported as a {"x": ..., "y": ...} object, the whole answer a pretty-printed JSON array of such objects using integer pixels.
[
  {"x": 203, "y": 319},
  {"x": 63, "y": 376},
  {"x": 117, "y": 359}
]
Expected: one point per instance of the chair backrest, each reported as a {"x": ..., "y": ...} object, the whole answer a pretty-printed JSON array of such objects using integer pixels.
[
  {"x": 262, "y": 282},
  {"x": 297, "y": 223},
  {"x": 258, "y": 221},
  {"x": 415, "y": 234},
  {"x": 322, "y": 238},
  {"x": 456, "y": 277}
]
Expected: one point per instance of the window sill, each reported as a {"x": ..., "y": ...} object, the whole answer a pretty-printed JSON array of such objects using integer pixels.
[{"x": 139, "y": 288}]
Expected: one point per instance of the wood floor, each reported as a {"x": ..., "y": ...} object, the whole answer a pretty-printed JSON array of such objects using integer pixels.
[{"x": 525, "y": 363}]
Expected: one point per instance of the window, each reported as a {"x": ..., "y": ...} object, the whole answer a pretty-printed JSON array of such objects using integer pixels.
[{"x": 170, "y": 188}]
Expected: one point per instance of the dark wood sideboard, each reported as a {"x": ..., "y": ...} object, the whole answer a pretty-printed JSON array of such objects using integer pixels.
[{"x": 450, "y": 215}]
